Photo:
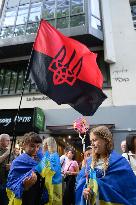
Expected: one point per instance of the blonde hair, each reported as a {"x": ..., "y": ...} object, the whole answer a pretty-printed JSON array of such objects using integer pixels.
[
  {"x": 104, "y": 133},
  {"x": 50, "y": 144}
]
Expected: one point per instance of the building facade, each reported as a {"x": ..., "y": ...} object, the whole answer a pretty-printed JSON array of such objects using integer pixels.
[{"x": 107, "y": 27}]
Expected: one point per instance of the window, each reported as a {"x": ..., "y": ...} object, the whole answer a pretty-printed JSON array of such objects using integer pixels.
[
  {"x": 95, "y": 15},
  {"x": 12, "y": 77},
  {"x": 133, "y": 11},
  {"x": 21, "y": 17},
  {"x": 104, "y": 67}
]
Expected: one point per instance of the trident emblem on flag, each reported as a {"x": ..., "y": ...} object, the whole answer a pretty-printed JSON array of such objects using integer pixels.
[{"x": 65, "y": 73}]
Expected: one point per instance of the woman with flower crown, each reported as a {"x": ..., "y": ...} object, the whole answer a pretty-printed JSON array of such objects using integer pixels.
[{"x": 108, "y": 178}]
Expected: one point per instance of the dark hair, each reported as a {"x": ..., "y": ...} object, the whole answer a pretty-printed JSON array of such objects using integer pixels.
[
  {"x": 67, "y": 149},
  {"x": 88, "y": 148},
  {"x": 31, "y": 137},
  {"x": 130, "y": 143}
]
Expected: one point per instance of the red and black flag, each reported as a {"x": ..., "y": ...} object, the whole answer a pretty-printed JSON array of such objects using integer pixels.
[{"x": 66, "y": 71}]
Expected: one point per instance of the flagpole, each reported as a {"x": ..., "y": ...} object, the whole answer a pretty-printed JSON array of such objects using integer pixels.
[{"x": 16, "y": 117}]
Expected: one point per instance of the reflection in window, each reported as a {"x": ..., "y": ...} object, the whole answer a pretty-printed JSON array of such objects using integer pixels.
[
  {"x": 95, "y": 23},
  {"x": 9, "y": 18},
  {"x": 19, "y": 30},
  {"x": 62, "y": 23},
  {"x": 24, "y": 2},
  {"x": 12, "y": 79},
  {"x": 22, "y": 14},
  {"x": 7, "y": 32},
  {"x": 20, "y": 80},
  {"x": 133, "y": 11},
  {"x": 2, "y": 71},
  {"x": 78, "y": 20},
  {"x": 6, "y": 83},
  {"x": 48, "y": 9},
  {"x": 95, "y": 18},
  {"x": 35, "y": 12},
  {"x": 12, "y": 3},
  {"x": 63, "y": 8},
  {"x": 52, "y": 22},
  {"x": 77, "y": 6},
  {"x": 32, "y": 28},
  {"x": 13, "y": 82}
]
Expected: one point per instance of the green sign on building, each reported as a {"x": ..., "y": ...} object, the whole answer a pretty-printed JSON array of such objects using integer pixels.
[{"x": 39, "y": 119}]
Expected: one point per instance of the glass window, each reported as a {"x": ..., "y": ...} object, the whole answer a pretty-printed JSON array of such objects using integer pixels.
[
  {"x": 78, "y": 20},
  {"x": 62, "y": 23},
  {"x": 12, "y": 3},
  {"x": 32, "y": 1},
  {"x": 32, "y": 28},
  {"x": 7, "y": 32},
  {"x": 96, "y": 23},
  {"x": 35, "y": 12},
  {"x": 6, "y": 85},
  {"x": 19, "y": 30},
  {"x": 95, "y": 8},
  {"x": 52, "y": 22},
  {"x": 24, "y": 2},
  {"x": 20, "y": 80},
  {"x": 2, "y": 71},
  {"x": 22, "y": 14},
  {"x": 48, "y": 9},
  {"x": 12, "y": 78},
  {"x": 77, "y": 6},
  {"x": 9, "y": 18},
  {"x": 63, "y": 8},
  {"x": 95, "y": 17},
  {"x": 13, "y": 82},
  {"x": 133, "y": 11}
]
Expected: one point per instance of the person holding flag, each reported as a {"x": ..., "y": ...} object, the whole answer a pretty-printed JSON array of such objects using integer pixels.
[
  {"x": 110, "y": 177},
  {"x": 26, "y": 180},
  {"x": 50, "y": 169}
]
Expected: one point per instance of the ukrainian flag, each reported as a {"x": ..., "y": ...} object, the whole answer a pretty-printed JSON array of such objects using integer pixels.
[
  {"x": 117, "y": 187},
  {"x": 21, "y": 168},
  {"x": 49, "y": 168}
]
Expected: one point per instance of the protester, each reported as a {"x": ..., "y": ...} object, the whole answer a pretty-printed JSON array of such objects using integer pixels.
[
  {"x": 130, "y": 153},
  {"x": 71, "y": 170},
  {"x": 110, "y": 177},
  {"x": 16, "y": 152},
  {"x": 64, "y": 158},
  {"x": 4, "y": 166},
  {"x": 123, "y": 146},
  {"x": 25, "y": 185},
  {"x": 53, "y": 180},
  {"x": 87, "y": 154}
]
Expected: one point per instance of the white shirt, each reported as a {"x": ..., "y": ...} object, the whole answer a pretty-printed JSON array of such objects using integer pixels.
[
  {"x": 63, "y": 160},
  {"x": 131, "y": 159}
]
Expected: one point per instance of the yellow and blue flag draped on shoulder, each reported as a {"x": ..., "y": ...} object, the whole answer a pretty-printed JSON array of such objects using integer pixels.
[
  {"x": 116, "y": 187},
  {"x": 21, "y": 168},
  {"x": 50, "y": 169}
]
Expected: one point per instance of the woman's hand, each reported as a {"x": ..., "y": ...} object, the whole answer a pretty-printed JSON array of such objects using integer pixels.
[
  {"x": 86, "y": 193},
  {"x": 29, "y": 181}
]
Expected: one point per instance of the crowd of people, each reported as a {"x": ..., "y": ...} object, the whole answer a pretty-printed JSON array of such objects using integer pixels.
[{"x": 35, "y": 174}]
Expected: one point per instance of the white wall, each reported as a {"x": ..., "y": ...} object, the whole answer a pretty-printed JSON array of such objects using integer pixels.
[
  {"x": 123, "y": 71},
  {"x": 30, "y": 101}
]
